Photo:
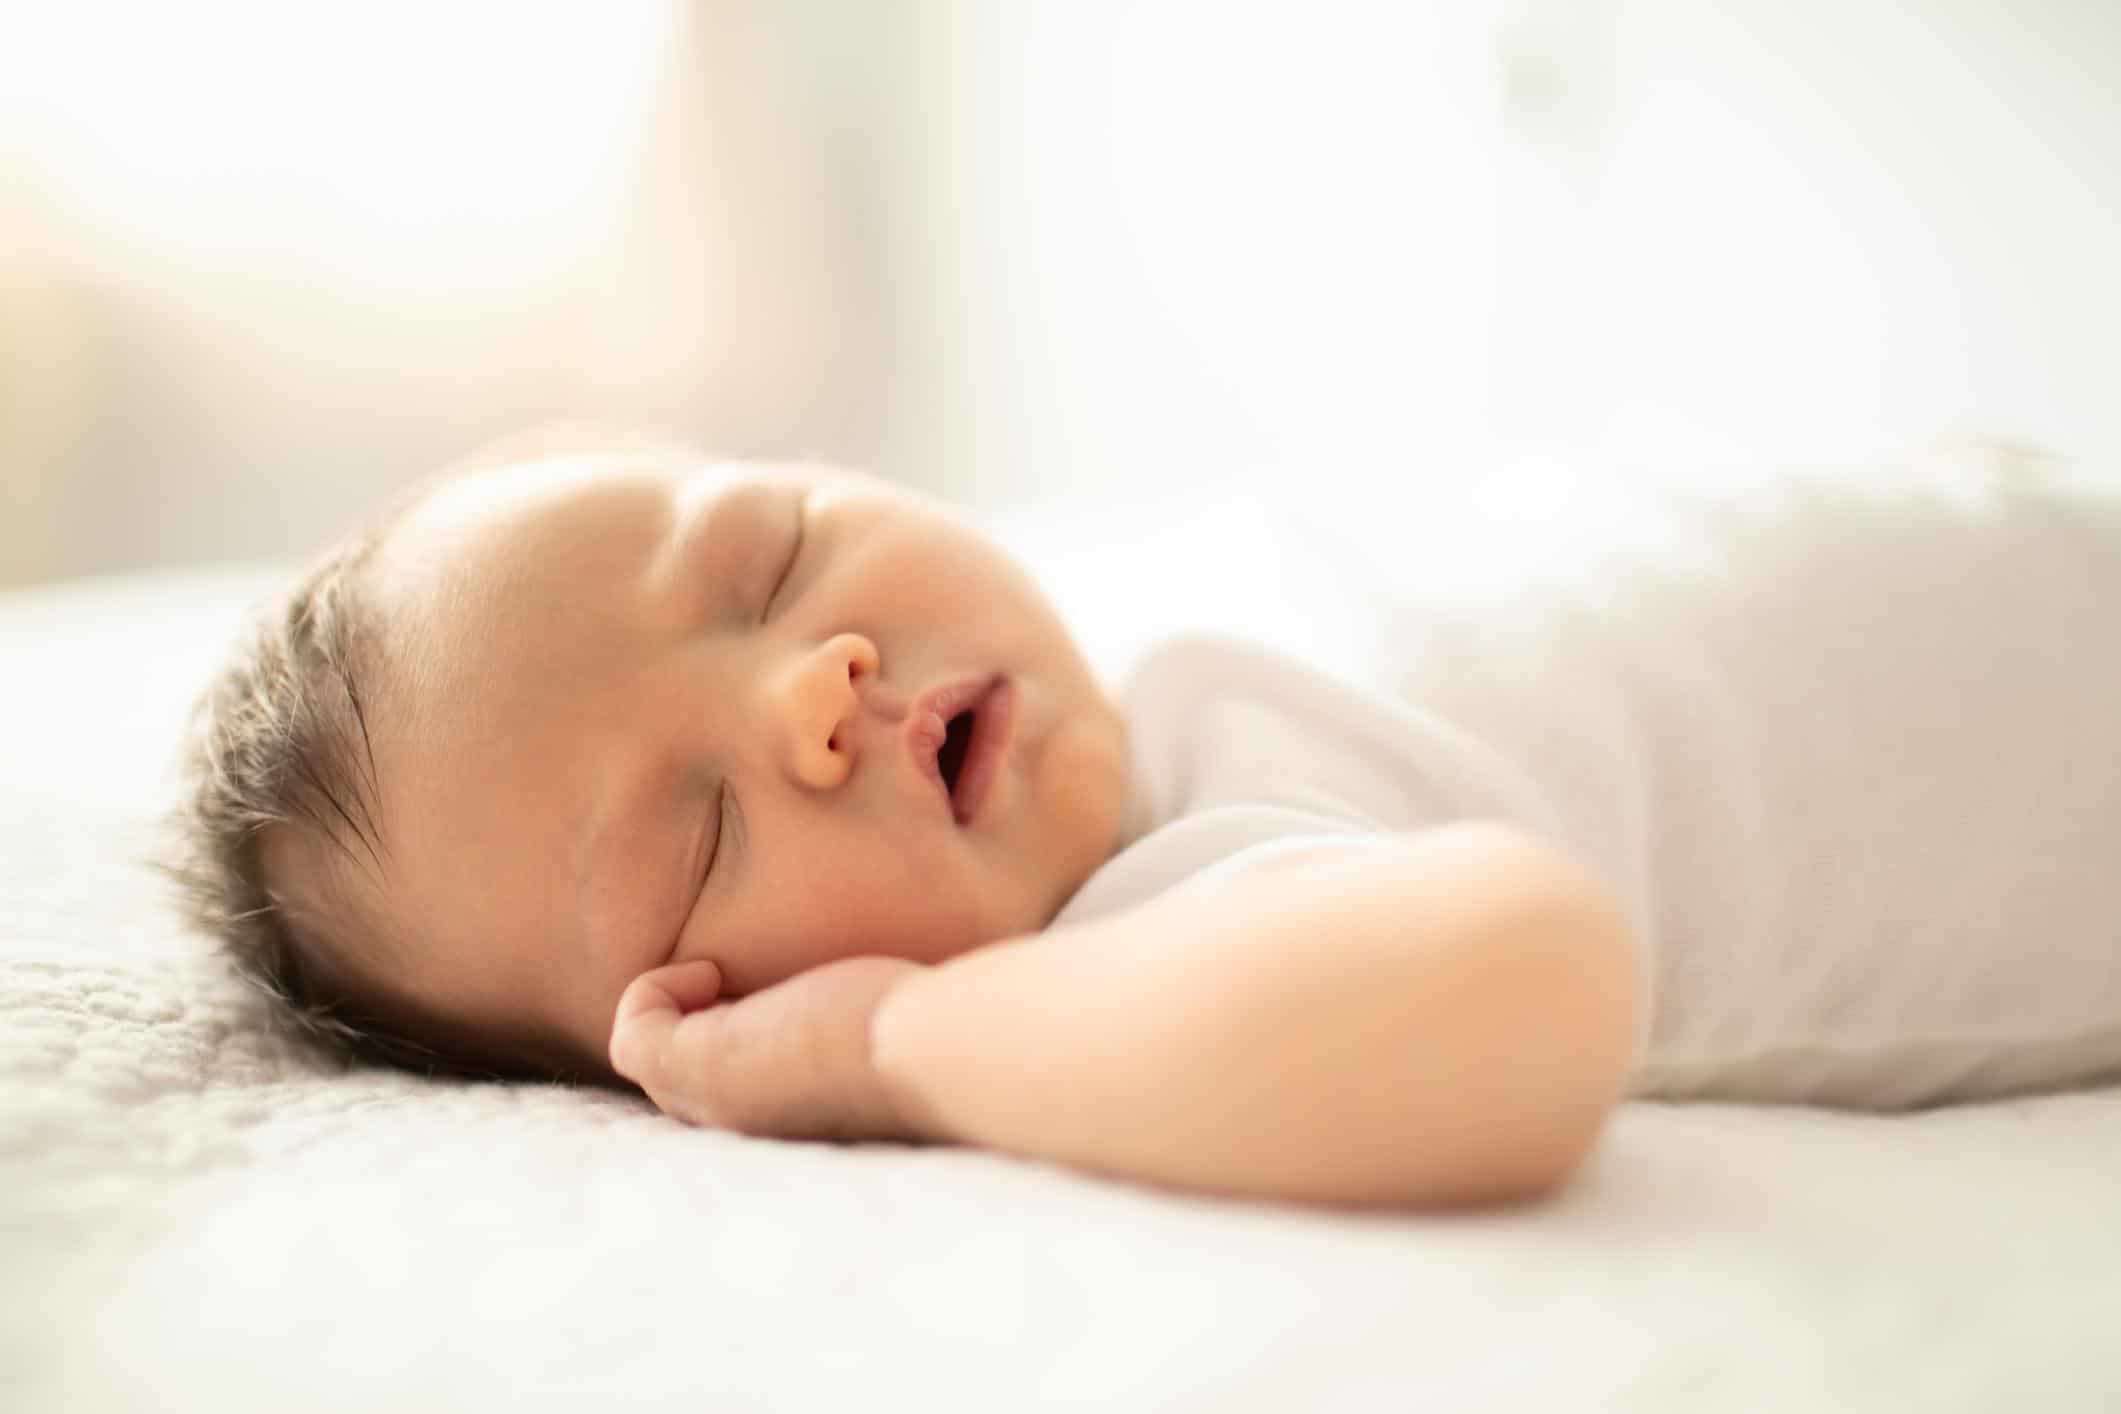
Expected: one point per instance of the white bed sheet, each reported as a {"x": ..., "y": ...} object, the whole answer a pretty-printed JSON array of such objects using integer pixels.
[{"x": 193, "y": 1216}]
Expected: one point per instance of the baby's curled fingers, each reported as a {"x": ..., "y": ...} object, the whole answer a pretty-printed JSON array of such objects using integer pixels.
[{"x": 649, "y": 1012}]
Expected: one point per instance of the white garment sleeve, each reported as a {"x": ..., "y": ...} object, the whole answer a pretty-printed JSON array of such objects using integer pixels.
[{"x": 1205, "y": 849}]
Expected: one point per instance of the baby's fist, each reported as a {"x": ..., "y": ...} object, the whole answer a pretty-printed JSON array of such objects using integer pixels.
[{"x": 792, "y": 1061}]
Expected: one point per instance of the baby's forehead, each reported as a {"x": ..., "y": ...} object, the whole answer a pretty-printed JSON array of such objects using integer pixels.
[
  {"x": 486, "y": 551},
  {"x": 497, "y": 507}
]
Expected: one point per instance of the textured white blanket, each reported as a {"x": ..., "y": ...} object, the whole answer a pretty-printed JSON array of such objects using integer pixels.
[{"x": 194, "y": 1217}]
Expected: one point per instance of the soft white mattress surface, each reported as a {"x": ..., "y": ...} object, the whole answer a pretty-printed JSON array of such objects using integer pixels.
[{"x": 194, "y": 1217}]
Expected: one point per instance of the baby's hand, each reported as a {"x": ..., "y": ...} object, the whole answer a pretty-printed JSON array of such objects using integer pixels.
[{"x": 791, "y": 1061}]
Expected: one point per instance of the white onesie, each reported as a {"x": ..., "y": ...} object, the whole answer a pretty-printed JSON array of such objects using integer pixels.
[{"x": 1850, "y": 752}]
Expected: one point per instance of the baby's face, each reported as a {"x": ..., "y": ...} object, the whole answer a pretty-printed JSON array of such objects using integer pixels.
[{"x": 642, "y": 714}]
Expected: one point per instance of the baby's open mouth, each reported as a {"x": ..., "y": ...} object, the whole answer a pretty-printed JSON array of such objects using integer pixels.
[
  {"x": 957, "y": 737},
  {"x": 962, "y": 733}
]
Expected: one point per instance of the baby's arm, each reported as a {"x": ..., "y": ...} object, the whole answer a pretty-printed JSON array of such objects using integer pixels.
[{"x": 1442, "y": 1020}]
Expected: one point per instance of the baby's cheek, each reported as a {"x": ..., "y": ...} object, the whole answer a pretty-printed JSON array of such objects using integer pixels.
[
  {"x": 1081, "y": 789},
  {"x": 888, "y": 911}
]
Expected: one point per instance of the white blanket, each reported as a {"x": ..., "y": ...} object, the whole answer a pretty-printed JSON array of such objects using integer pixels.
[{"x": 193, "y": 1216}]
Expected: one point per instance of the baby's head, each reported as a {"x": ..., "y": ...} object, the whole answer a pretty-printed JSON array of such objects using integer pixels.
[{"x": 552, "y": 724}]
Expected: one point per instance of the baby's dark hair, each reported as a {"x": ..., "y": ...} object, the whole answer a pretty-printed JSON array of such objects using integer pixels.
[
  {"x": 279, "y": 741},
  {"x": 280, "y": 753}
]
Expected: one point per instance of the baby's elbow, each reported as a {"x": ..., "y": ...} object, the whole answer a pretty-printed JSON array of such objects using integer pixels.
[
  {"x": 1587, "y": 997},
  {"x": 1562, "y": 996}
]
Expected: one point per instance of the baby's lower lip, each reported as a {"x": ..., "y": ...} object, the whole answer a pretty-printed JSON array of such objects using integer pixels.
[{"x": 993, "y": 729}]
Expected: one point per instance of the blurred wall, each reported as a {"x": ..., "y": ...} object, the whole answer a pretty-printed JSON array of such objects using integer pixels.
[
  {"x": 263, "y": 263},
  {"x": 1825, "y": 229},
  {"x": 1162, "y": 244},
  {"x": 260, "y": 264},
  {"x": 1364, "y": 246}
]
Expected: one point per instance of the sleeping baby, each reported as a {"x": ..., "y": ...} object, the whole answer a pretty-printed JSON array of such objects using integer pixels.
[{"x": 784, "y": 795}]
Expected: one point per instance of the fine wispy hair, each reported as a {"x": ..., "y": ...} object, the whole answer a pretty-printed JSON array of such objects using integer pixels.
[{"x": 280, "y": 741}]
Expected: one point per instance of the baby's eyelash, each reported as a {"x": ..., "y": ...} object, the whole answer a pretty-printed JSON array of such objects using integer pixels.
[{"x": 721, "y": 830}]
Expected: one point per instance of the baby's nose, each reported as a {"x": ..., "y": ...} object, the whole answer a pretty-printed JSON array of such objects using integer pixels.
[{"x": 818, "y": 701}]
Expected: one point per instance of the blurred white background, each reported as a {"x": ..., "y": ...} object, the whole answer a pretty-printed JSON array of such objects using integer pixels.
[{"x": 262, "y": 263}]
